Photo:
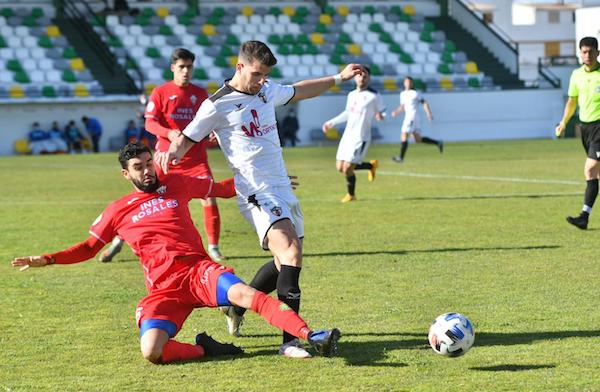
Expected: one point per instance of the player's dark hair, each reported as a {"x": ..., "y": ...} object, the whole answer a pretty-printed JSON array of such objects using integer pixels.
[
  {"x": 130, "y": 151},
  {"x": 590, "y": 42},
  {"x": 182, "y": 54},
  {"x": 256, "y": 50},
  {"x": 367, "y": 69}
]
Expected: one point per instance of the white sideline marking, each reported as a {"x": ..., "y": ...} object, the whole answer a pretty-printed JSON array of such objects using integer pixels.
[{"x": 481, "y": 178}]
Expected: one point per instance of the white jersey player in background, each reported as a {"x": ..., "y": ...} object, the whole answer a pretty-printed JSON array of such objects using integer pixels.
[
  {"x": 362, "y": 105},
  {"x": 242, "y": 114},
  {"x": 410, "y": 99}
]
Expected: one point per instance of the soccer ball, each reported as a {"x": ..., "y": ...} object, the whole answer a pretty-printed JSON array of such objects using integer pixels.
[{"x": 451, "y": 334}]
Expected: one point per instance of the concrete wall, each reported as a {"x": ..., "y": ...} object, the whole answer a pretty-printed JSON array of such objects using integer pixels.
[{"x": 458, "y": 116}]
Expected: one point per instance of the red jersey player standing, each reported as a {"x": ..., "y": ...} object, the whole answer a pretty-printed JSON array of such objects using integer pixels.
[
  {"x": 170, "y": 109},
  {"x": 155, "y": 221}
]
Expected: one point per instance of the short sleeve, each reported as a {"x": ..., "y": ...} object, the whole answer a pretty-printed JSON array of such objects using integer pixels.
[
  {"x": 154, "y": 107},
  {"x": 103, "y": 228},
  {"x": 205, "y": 121},
  {"x": 573, "y": 89},
  {"x": 281, "y": 94}
]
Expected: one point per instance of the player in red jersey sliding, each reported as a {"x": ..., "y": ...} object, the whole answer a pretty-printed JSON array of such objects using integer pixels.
[
  {"x": 170, "y": 109},
  {"x": 155, "y": 221}
]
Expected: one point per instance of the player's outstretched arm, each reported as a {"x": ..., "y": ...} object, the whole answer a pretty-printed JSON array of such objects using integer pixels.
[
  {"x": 30, "y": 261},
  {"x": 82, "y": 251},
  {"x": 178, "y": 148},
  {"x": 312, "y": 87},
  {"x": 570, "y": 107},
  {"x": 427, "y": 109},
  {"x": 397, "y": 111}
]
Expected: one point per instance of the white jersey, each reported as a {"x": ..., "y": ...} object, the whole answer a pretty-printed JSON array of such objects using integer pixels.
[
  {"x": 246, "y": 129},
  {"x": 361, "y": 108},
  {"x": 411, "y": 100}
]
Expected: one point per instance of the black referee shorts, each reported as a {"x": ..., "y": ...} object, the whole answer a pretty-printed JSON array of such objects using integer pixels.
[{"x": 590, "y": 138}]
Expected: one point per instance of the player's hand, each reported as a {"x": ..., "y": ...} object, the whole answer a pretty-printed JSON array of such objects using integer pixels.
[
  {"x": 394, "y": 114},
  {"x": 30, "y": 261},
  {"x": 173, "y": 134},
  {"x": 379, "y": 116},
  {"x": 560, "y": 129},
  {"x": 351, "y": 71},
  {"x": 164, "y": 159},
  {"x": 212, "y": 138},
  {"x": 326, "y": 126},
  {"x": 293, "y": 182}
]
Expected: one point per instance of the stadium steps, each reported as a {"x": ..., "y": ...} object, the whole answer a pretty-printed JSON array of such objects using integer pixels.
[
  {"x": 486, "y": 62},
  {"x": 113, "y": 78}
]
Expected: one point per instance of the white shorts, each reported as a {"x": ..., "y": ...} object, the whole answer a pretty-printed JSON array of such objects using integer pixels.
[
  {"x": 352, "y": 150},
  {"x": 263, "y": 209},
  {"x": 411, "y": 124}
]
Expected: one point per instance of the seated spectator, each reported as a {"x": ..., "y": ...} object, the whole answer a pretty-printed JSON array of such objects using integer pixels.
[
  {"x": 57, "y": 139},
  {"x": 74, "y": 137},
  {"x": 132, "y": 133},
  {"x": 289, "y": 128},
  {"x": 39, "y": 140}
]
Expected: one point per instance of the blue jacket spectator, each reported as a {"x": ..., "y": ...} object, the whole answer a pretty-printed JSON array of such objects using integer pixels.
[
  {"x": 94, "y": 129},
  {"x": 57, "y": 139},
  {"x": 132, "y": 132},
  {"x": 74, "y": 137},
  {"x": 39, "y": 140}
]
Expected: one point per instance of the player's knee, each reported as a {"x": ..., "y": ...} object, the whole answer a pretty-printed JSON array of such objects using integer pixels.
[
  {"x": 241, "y": 295},
  {"x": 152, "y": 352}
]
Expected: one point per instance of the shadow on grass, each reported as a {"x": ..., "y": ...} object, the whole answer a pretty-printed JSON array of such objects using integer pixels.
[
  {"x": 509, "y": 339},
  {"x": 408, "y": 251},
  {"x": 511, "y": 368},
  {"x": 476, "y": 197}
]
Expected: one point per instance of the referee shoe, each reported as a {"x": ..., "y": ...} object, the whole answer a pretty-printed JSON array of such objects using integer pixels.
[{"x": 580, "y": 221}]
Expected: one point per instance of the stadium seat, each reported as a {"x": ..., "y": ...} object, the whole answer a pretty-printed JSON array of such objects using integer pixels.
[
  {"x": 16, "y": 91},
  {"x": 80, "y": 90},
  {"x": 52, "y": 31},
  {"x": 22, "y": 146},
  {"x": 471, "y": 67},
  {"x": 77, "y": 64}
]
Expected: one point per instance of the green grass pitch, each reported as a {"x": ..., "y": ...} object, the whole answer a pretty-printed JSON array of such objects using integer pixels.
[{"x": 479, "y": 230}]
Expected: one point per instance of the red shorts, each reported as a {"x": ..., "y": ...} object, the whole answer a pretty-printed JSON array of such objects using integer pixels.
[
  {"x": 185, "y": 289},
  {"x": 193, "y": 164}
]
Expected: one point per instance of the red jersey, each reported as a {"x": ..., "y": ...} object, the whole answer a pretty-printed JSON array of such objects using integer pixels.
[
  {"x": 157, "y": 225},
  {"x": 174, "y": 107}
]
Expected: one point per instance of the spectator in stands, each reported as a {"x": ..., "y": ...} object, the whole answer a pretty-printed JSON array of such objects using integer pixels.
[
  {"x": 132, "y": 133},
  {"x": 57, "y": 139},
  {"x": 39, "y": 140},
  {"x": 75, "y": 139},
  {"x": 94, "y": 129},
  {"x": 409, "y": 104},
  {"x": 289, "y": 128}
]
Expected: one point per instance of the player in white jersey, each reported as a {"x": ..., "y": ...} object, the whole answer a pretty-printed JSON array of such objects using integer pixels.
[
  {"x": 242, "y": 114},
  {"x": 409, "y": 104},
  {"x": 362, "y": 105}
]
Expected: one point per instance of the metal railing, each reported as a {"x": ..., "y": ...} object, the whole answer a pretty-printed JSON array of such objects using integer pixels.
[{"x": 545, "y": 72}]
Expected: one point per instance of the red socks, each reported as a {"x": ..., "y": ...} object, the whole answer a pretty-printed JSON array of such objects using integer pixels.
[
  {"x": 175, "y": 351},
  {"x": 279, "y": 315},
  {"x": 212, "y": 224}
]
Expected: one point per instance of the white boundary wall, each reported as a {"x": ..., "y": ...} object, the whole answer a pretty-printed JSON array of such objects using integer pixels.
[{"x": 458, "y": 116}]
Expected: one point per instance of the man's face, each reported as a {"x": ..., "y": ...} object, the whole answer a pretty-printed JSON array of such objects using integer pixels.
[
  {"x": 589, "y": 55},
  {"x": 140, "y": 171},
  {"x": 252, "y": 76},
  {"x": 362, "y": 80},
  {"x": 408, "y": 84},
  {"x": 182, "y": 72}
]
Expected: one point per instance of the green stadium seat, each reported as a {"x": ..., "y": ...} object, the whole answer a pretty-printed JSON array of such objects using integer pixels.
[
  {"x": 48, "y": 92},
  {"x": 14, "y": 65},
  {"x": 312, "y": 49},
  {"x": 336, "y": 59},
  {"x": 369, "y": 9},
  {"x": 131, "y": 64},
  {"x": 226, "y": 51},
  {"x": 147, "y": 12},
  {"x": 395, "y": 48},
  {"x": 7, "y": 12},
  {"x": 375, "y": 70},
  {"x": 344, "y": 38},
  {"x": 276, "y": 73},
  {"x": 275, "y": 11},
  {"x": 340, "y": 49},
  {"x": 274, "y": 39},
  {"x": 214, "y": 20},
  {"x": 2, "y": 42},
  {"x": 406, "y": 58},
  {"x": 167, "y": 74},
  {"x": 474, "y": 82},
  {"x": 232, "y": 39},
  {"x": 302, "y": 11},
  {"x": 303, "y": 39},
  {"x": 405, "y": 18},
  {"x": 45, "y": 42},
  {"x": 321, "y": 28},
  {"x": 152, "y": 52},
  {"x": 37, "y": 12},
  {"x": 185, "y": 20},
  {"x": 418, "y": 84},
  {"x": 428, "y": 26},
  {"x": 298, "y": 19},
  {"x": 221, "y": 62},
  {"x": 142, "y": 20},
  {"x": 190, "y": 12},
  {"x": 69, "y": 53},
  {"x": 69, "y": 76},
  {"x": 396, "y": 9},
  {"x": 30, "y": 21},
  {"x": 298, "y": 49},
  {"x": 114, "y": 42},
  {"x": 444, "y": 69},
  {"x": 22, "y": 77},
  {"x": 425, "y": 36},
  {"x": 218, "y": 12},
  {"x": 329, "y": 10},
  {"x": 447, "y": 57},
  {"x": 450, "y": 46},
  {"x": 97, "y": 21},
  {"x": 165, "y": 30},
  {"x": 376, "y": 27},
  {"x": 386, "y": 38},
  {"x": 284, "y": 50},
  {"x": 288, "y": 39},
  {"x": 200, "y": 73},
  {"x": 203, "y": 40}
]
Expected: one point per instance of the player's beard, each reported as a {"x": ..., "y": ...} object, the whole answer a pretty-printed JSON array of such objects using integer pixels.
[{"x": 149, "y": 187}]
